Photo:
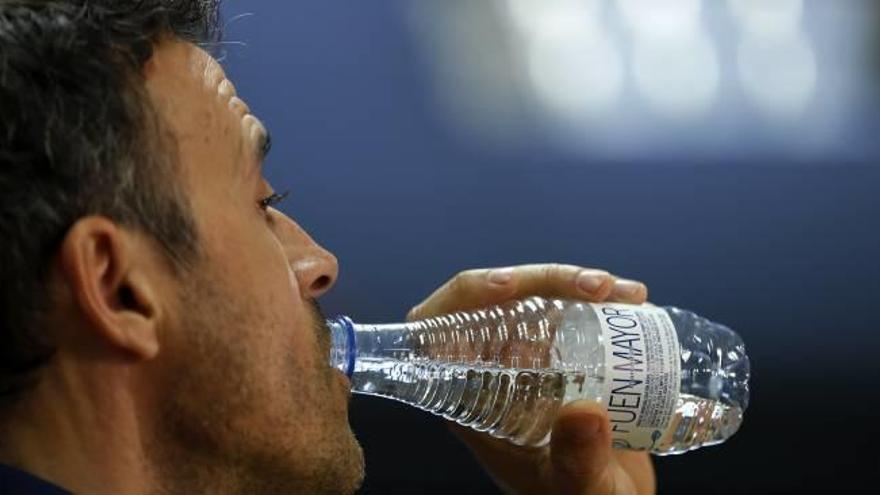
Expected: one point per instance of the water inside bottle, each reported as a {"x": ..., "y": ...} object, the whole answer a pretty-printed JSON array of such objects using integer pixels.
[
  {"x": 521, "y": 404},
  {"x": 698, "y": 422}
]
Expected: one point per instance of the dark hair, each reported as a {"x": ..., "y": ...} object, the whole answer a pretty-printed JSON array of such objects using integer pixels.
[{"x": 78, "y": 136}]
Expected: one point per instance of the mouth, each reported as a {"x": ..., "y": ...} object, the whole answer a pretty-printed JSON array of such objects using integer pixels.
[{"x": 323, "y": 332}]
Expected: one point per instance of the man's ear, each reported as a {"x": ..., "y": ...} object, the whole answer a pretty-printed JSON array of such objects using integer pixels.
[{"x": 113, "y": 281}]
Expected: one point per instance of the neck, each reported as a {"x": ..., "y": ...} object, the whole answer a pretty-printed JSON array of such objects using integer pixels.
[{"x": 79, "y": 428}]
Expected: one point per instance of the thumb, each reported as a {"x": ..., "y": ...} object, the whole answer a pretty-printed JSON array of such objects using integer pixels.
[{"x": 580, "y": 450}]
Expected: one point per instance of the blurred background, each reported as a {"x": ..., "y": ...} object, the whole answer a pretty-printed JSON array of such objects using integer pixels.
[{"x": 723, "y": 151}]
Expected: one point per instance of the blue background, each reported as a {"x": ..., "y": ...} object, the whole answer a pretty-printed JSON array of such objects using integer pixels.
[{"x": 781, "y": 248}]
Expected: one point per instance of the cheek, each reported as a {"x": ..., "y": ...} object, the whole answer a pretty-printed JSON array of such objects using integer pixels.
[
  {"x": 252, "y": 260},
  {"x": 256, "y": 257},
  {"x": 292, "y": 330}
]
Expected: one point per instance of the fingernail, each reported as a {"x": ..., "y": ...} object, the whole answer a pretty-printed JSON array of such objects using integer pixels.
[
  {"x": 501, "y": 276},
  {"x": 627, "y": 287},
  {"x": 590, "y": 281}
]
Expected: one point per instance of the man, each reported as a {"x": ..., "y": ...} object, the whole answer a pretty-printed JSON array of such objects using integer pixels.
[{"x": 158, "y": 321}]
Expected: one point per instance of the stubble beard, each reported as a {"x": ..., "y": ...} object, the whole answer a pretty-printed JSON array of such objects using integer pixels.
[{"x": 197, "y": 447}]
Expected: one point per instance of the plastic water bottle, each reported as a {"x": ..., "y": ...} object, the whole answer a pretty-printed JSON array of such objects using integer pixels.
[{"x": 672, "y": 381}]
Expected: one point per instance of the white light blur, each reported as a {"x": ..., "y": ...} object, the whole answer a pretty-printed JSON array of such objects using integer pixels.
[
  {"x": 550, "y": 18},
  {"x": 768, "y": 16},
  {"x": 576, "y": 78},
  {"x": 661, "y": 18},
  {"x": 678, "y": 77},
  {"x": 778, "y": 73},
  {"x": 475, "y": 87}
]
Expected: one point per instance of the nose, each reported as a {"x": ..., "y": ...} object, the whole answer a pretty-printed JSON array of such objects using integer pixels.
[{"x": 315, "y": 268}]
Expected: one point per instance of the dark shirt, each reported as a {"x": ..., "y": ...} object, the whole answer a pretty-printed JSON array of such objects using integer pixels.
[{"x": 15, "y": 481}]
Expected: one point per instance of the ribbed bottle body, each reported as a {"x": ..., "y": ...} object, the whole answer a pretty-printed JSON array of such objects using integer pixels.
[{"x": 506, "y": 370}]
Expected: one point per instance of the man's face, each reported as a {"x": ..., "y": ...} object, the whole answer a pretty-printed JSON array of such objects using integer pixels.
[{"x": 245, "y": 380}]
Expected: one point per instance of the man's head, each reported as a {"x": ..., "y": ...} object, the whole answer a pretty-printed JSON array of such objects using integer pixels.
[{"x": 141, "y": 261}]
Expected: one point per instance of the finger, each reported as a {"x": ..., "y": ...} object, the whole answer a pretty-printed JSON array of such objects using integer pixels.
[
  {"x": 479, "y": 288},
  {"x": 580, "y": 450},
  {"x": 517, "y": 468},
  {"x": 468, "y": 290},
  {"x": 628, "y": 291},
  {"x": 639, "y": 469}
]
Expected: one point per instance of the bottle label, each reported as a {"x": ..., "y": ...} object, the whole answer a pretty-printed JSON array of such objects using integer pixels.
[{"x": 642, "y": 372}]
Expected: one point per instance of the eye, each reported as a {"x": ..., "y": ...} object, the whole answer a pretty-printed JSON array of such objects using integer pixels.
[{"x": 272, "y": 200}]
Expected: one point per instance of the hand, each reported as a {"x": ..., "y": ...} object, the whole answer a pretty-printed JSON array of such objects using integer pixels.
[{"x": 579, "y": 459}]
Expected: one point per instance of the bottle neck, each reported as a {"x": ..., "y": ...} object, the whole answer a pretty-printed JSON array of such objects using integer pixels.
[
  {"x": 351, "y": 341},
  {"x": 387, "y": 341},
  {"x": 343, "y": 344}
]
